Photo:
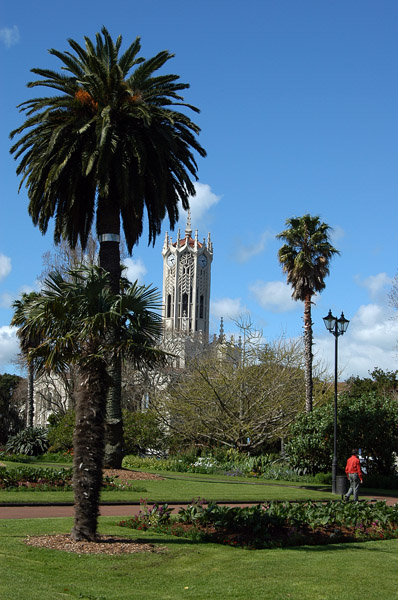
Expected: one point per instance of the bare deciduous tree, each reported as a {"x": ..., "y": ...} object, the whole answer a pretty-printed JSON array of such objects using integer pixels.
[{"x": 239, "y": 396}]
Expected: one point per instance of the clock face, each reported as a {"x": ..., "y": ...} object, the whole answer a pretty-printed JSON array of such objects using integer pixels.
[
  {"x": 202, "y": 260},
  {"x": 171, "y": 260}
]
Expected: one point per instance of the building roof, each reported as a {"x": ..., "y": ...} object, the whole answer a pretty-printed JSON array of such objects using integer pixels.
[{"x": 189, "y": 241}]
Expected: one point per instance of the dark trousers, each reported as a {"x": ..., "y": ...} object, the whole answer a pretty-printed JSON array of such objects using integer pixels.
[{"x": 354, "y": 485}]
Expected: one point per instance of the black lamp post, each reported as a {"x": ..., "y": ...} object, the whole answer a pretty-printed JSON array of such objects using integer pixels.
[{"x": 336, "y": 327}]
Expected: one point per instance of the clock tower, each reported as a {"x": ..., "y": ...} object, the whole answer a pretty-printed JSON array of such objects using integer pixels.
[{"x": 186, "y": 284}]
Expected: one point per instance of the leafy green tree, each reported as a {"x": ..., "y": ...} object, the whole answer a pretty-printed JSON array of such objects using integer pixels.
[
  {"x": 108, "y": 146},
  {"x": 10, "y": 420},
  {"x": 305, "y": 258},
  {"x": 381, "y": 382},
  {"x": 142, "y": 432},
  {"x": 60, "y": 431},
  {"x": 74, "y": 316},
  {"x": 369, "y": 422}
]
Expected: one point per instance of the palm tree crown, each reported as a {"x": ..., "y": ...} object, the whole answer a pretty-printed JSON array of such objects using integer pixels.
[
  {"x": 109, "y": 137},
  {"x": 305, "y": 258},
  {"x": 73, "y": 314}
]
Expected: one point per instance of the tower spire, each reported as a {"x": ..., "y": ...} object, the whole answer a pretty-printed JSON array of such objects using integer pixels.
[
  {"x": 221, "y": 336},
  {"x": 188, "y": 229}
]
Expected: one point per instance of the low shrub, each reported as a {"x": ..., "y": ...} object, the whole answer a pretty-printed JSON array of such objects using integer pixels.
[
  {"x": 238, "y": 465},
  {"x": 20, "y": 458},
  {"x": 56, "y": 457},
  {"x": 272, "y": 524},
  {"x": 325, "y": 478},
  {"x": 379, "y": 481},
  {"x": 60, "y": 431},
  {"x": 141, "y": 431},
  {"x": 132, "y": 461},
  {"x": 40, "y": 479},
  {"x": 31, "y": 441},
  {"x": 25, "y": 476}
]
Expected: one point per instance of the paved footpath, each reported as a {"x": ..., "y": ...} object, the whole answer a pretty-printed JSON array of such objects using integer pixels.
[
  {"x": 114, "y": 510},
  {"x": 107, "y": 510}
]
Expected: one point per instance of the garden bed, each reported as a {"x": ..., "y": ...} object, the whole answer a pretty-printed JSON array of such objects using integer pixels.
[
  {"x": 46, "y": 479},
  {"x": 273, "y": 524}
]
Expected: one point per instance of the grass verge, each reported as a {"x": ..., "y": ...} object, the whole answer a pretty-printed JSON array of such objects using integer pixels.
[{"x": 190, "y": 569}]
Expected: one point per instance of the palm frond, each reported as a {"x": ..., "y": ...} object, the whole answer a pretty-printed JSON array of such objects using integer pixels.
[{"x": 112, "y": 130}]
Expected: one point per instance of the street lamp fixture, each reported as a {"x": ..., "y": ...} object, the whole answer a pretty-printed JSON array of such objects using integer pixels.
[{"x": 337, "y": 327}]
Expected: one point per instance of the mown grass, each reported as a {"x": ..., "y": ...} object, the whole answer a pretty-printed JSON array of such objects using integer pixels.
[
  {"x": 191, "y": 570},
  {"x": 182, "y": 487},
  {"x": 179, "y": 490}
]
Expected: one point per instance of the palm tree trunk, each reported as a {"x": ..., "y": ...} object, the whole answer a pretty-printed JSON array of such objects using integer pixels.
[
  {"x": 108, "y": 226},
  {"x": 88, "y": 448},
  {"x": 30, "y": 398},
  {"x": 308, "y": 353},
  {"x": 114, "y": 442}
]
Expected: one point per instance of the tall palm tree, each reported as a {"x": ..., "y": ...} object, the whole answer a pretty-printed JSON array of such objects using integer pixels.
[
  {"x": 107, "y": 146},
  {"x": 305, "y": 258},
  {"x": 73, "y": 316},
  {"x": 27, "y": 341}
]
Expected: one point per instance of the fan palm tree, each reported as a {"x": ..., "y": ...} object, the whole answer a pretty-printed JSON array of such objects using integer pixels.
[
  {"x": 72, "y": 316},
  {"x": 27, "y": 341},
  {"x": 108, "y": 146},
  {"x": 305, "y": 258}
]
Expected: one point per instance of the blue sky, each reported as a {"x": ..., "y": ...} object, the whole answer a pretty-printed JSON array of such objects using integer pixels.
[{"x": 298, "y": 115}]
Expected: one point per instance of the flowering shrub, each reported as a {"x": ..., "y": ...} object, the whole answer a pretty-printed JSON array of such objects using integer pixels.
[
  {"x": 155, "y": 516},
  {"x": 232, "y": 464}
]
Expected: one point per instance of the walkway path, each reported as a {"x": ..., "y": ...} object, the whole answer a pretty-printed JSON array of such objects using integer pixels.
[{"x": 113, "y": 510}]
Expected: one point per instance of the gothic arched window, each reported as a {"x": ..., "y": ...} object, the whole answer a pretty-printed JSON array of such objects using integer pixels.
[
  {"x": 168, "y": 305},
  {"x": 184, "y": 304},
  {"x": 201, "y": 306}
]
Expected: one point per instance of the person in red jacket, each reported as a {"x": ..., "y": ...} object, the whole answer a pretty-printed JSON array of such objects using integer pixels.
[{"x": 354, "y": 474}]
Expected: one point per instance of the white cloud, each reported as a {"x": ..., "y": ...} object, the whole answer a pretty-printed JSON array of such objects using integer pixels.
[
  {"x": 135, "y": 270},
  {"x": 376, "y": 285},
  {"x": 228, "y": 308},
  {"x": 370, "y": 341},
  {"x": 5, "y": 266},
  {"x": 200, "y": 204},
  {"x": 243, "y": 252},
  {"x": 373, "y": 324},
  {"x": 275, "y": 296},
  {"x": 9, "y": 36},
  {"x": 9, "y": 347}
]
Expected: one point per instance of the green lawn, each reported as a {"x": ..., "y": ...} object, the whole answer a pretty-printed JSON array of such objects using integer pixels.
[
  {"x": 182, "y": 487},
  {"x": 177, "y": 489},
  {"x": 192, "y": 570}
]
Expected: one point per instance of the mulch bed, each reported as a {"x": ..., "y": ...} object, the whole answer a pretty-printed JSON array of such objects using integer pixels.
[
  {"x": 125, "y": 475},
  {"x": 104, "y": 544}
]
